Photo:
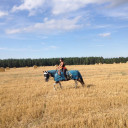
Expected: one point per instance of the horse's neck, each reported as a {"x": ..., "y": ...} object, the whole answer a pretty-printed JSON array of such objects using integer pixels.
[{"x": 52, "y": 72}]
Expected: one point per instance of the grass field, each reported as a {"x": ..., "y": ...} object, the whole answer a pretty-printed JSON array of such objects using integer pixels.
[{"x": 26, "y": 101}]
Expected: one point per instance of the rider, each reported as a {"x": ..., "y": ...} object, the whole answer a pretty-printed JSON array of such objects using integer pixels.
[{"x": 62, "y": 67}]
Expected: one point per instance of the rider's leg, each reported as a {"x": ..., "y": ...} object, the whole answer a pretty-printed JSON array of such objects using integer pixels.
[{"x": 64, "y": 72}]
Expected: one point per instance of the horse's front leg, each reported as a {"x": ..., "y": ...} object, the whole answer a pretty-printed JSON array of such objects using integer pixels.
[
  {"x": 60, "y": 85},
  {"x": 75, "y": 83},
  {"x": 54, "y": 86}
]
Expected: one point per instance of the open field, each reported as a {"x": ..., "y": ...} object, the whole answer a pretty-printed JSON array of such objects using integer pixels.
[{"x": 26, "y": 101}]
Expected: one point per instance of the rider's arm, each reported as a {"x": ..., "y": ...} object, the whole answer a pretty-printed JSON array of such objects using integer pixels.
[{"x": 61, "y": 65}]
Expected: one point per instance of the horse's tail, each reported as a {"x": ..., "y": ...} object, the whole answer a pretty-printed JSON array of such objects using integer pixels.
[{"x": 81, "y": 79}]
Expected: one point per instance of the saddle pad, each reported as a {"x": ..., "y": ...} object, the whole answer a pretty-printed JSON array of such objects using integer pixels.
[
  {"x": 72, "y": 74},
  {"x": 58, "y": 77}
]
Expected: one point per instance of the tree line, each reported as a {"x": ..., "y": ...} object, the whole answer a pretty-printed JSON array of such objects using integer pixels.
[{"x": 53, "y": 61}]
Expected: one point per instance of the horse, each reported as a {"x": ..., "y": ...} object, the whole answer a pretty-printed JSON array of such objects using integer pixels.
[{"x": 59, "y": 76}]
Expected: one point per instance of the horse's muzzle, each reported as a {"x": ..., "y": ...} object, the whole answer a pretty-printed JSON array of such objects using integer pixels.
[{"x": 46, "y": 80}]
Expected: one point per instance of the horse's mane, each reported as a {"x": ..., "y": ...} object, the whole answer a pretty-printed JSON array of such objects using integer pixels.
[{"x": 52, "y": 72}]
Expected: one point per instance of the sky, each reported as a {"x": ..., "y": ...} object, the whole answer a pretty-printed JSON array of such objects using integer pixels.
[{"x": 63, "y": 28}]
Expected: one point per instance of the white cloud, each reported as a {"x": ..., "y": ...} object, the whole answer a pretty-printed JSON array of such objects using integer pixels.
[
  {"x": 58, "y": 7},
  {"x": 101, "y": 26},
  {"x": 61, "y": 24},
  {"x": 116, "y": 11},
  {"x": 117, "y": 14},
  {"x": 29, "y": 5},
  {"x": 13, "y": 31},
  {"x": 3, "y": 13},
  {"x": 110, "y": 8},
  {"x": 49, "y": 26},
  {"x": 104, "y": 34},
  {"x": 64, "y": 6},
  {"x": 116, "y": 3}
]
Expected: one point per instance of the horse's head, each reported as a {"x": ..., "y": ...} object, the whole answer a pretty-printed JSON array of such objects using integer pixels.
[{"x": 46, "y": 76}]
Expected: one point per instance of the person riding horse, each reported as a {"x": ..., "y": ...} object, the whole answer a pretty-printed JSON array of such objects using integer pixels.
[
  {"x": 67, "y": 75},
  {"x": 62, "y": 68}
]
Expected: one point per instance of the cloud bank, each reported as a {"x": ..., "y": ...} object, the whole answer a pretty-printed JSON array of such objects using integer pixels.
[
  {"x": 63, "y": 15},
  {"x": 49, "y": 25}
]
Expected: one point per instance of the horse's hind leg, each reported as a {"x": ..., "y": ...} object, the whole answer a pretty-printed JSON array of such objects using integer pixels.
[
  {"x": 75, "y": 83},
  {"x": 54, "y": 86},
  {"x": 82, "y": 82}
]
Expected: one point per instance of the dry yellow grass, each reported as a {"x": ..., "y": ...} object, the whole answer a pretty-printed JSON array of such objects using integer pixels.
[
  {"x": 2, "y": 69},
  {"x": 26, "y": 101}
]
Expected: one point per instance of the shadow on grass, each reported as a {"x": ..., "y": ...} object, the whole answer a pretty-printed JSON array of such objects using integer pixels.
[{"x": 90, "y": 85}]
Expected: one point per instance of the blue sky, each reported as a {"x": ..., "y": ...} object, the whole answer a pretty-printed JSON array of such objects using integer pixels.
[{"x": 63, "y": 28}]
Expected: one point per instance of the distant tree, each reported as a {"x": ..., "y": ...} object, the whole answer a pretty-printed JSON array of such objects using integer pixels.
[{"x": 53, "y": 61}]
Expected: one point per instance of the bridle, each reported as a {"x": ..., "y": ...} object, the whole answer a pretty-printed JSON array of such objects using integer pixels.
[{"x": 46, "y": 75}]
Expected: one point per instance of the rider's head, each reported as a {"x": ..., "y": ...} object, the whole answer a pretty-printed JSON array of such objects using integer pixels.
[{"x": 61, "y": 59}]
